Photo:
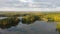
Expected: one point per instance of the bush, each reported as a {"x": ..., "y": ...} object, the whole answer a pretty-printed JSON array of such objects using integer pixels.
[
  {"x": 9, "y": 22},
  {"x": 28, "y": 20},
  {"x": 50, "y": 19}
]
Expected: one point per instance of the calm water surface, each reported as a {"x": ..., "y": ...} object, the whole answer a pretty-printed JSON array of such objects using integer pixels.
[{"x": 38, "y": 27}]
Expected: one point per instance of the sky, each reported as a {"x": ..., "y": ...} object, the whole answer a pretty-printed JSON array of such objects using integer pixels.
[{"x": 30, "y": 5}]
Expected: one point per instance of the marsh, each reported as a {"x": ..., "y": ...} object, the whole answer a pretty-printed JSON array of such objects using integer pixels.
[{"x": 38, "y": 27}]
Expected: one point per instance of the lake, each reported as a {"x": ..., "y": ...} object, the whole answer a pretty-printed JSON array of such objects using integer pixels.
[{"x": 38, "y": 27}]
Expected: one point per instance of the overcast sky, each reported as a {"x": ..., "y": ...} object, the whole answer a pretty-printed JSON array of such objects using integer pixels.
[{"x": 30, "y": 5}]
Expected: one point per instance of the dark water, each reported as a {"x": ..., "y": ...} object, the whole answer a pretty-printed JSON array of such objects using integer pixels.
[{"x": 38, "y": 27}]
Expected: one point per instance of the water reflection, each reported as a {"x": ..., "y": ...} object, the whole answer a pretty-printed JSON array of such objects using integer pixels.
[
  {"x": 9, "y": 22},
  {"x": 19, "y": 25},
  {"x": 14, "y": 21},
  {"x": 38, "y": 27}
]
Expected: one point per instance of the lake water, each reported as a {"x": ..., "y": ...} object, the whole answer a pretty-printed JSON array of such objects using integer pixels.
[{"x": 38, "y": 27}]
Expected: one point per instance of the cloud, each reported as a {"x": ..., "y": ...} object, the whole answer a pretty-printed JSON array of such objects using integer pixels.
[
  {"x": 28, "y": 4},
  {"x": 31, "y": 5},
  {"x": 26, "y": 1},
  {"x": 30, "y": 9}
]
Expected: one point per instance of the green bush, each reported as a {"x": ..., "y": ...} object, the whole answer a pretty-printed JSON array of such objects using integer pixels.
[{"x": 8, "y": 22}]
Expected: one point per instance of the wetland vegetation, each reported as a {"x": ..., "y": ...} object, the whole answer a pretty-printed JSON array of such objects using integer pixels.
[{"x": 28, "y": 18}]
